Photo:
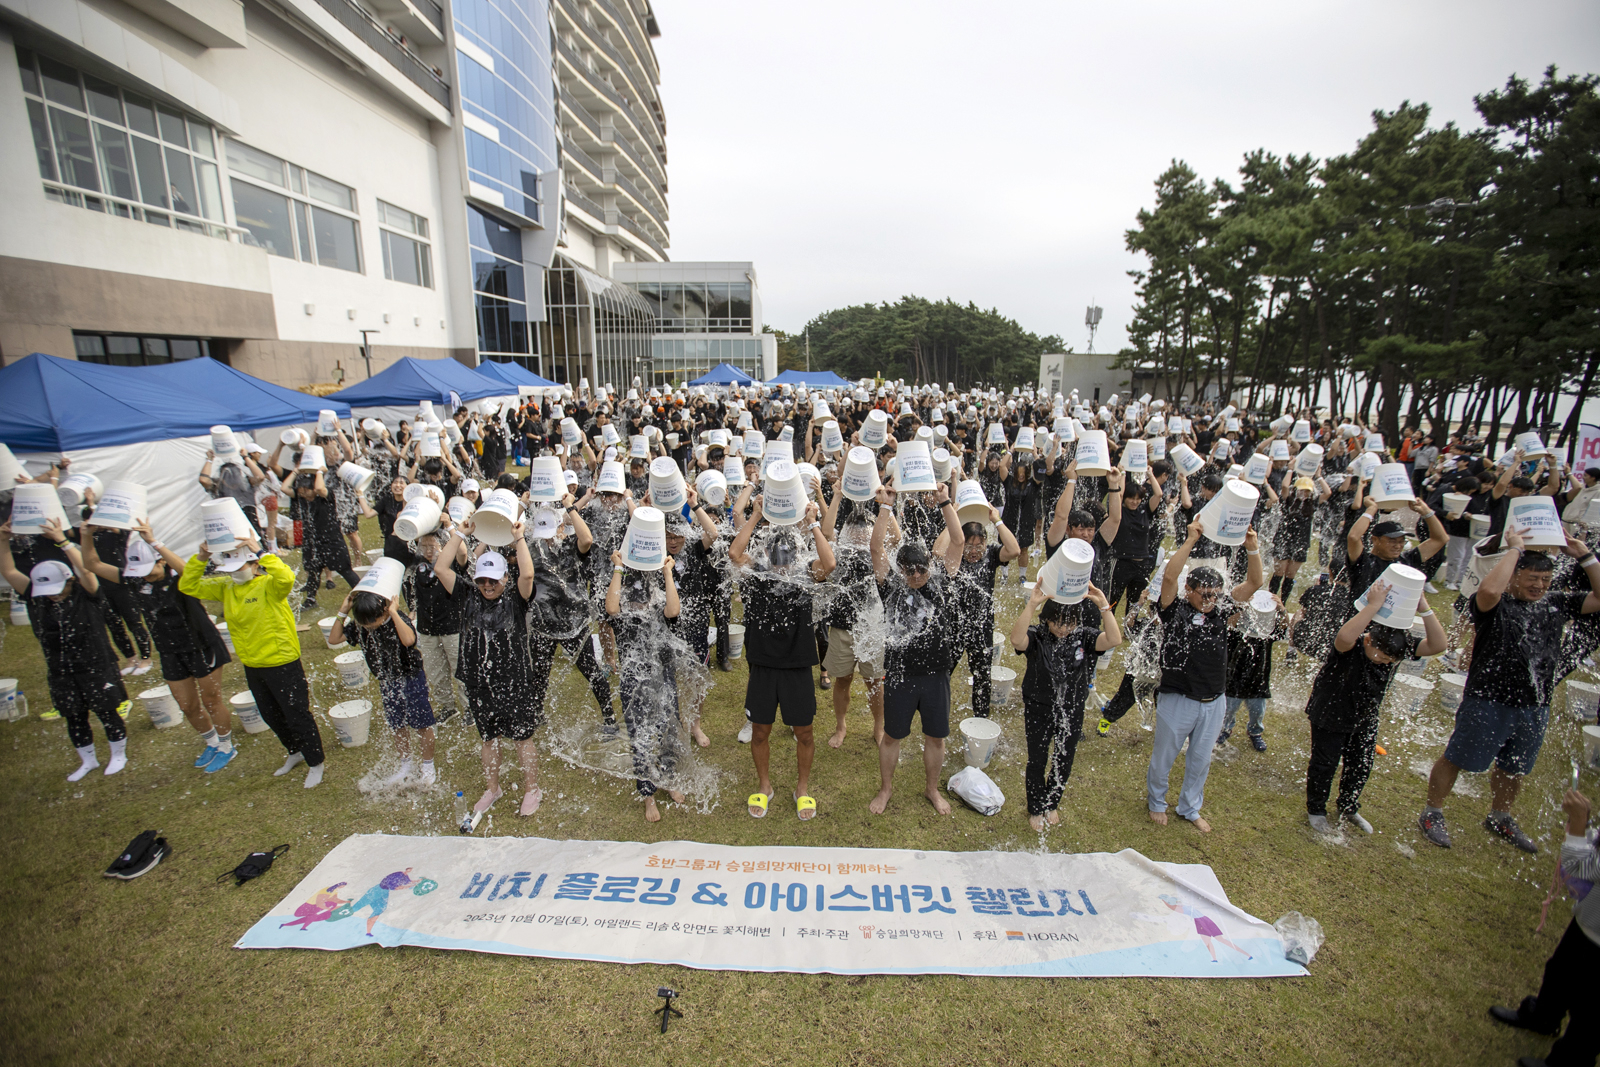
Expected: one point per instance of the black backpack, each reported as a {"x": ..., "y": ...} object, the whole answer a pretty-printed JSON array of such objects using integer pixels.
[
  {"x": 254, "y": 866},
  {"x": 142, "y": 853}
]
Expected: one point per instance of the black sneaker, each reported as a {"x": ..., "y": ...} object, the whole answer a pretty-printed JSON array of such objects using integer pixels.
[
  {"x": 1433, "y": 828},
  {"x": 1508, "y": 829},
  {"x": 1258, "y": 742}
]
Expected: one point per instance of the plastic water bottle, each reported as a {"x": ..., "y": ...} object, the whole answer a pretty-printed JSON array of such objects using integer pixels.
[
  {"x": 461, "y": 808},
  {"x": 22, "y": 705}
]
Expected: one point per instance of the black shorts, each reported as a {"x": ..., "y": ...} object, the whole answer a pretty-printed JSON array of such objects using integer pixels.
[
  {"x": 497, "y": 716},
  {"x": 905, "y": 697},
  {"x": 197, "y": 661},
  {"x": 790, "y": 688}
]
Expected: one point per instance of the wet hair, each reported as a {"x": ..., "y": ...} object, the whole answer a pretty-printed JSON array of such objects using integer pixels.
[
  {"x": 1537, "y": 562},
  {"x": 1525, "y": 484},
  {"x": 367, "y": 608},
  {"x": 1390, "y": 641},
  {"x": 1132, "y": 490},
  {"x": 1080, "y": 517},
  {"x": 1161, "y": 468},
  {"x": 1205, "y": 578},
  {"x": 1054, "y": 611},
  {"x": 911, "y": 554},
  {"x": 1468, "y": 485},
  {"x": 973, "y": 529},
  {"x": 1212, "y": 482},
  {"x": 506, "y": 481},
  {"x": 433, "y": 466}
]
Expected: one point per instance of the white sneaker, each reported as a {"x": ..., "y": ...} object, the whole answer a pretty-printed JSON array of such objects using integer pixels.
[
  {"x": 398, "y": 778},
  {"x": 428, "y": 777},
  {"x": 1454, "y": 587},
  {"x": 1320, "y": 824},
  {"x": 746, "y": 732},
  {"x": 1358, "y": 822},
  {"x": 1430, "y": 587}
]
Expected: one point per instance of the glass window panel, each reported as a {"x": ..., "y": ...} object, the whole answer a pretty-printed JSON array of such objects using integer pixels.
[
  {"x": 74, "y": 153},
  {"x": 103, "y": 100},
  {"x": 302, "y": 222},
  {"x": 122, "y": 346},
  {"x": 336, "y": 240},
  {"x": 141, "y": 116},
  {"x": 694, "y": 304},
  {"x": 717, "y": 294},
  {"x": 30, "y": 76},
  {"x": 155, "y": 346},
  {"x": 180, "y": 176},
  {"x": 330, "y": 192},
  {"x": 490, "y": 233},
  {"x": 297, "y": 179},
  {"x": 210, "y": 183},
  {"x": 152, "y": 175},
  {"x": 60, "y": 83},
  {"x": 116, "y": 165},
  {"x": 249, "y": 161},
  {"x": 671, "y": 300},
  {"x": 266, "y": 216},
  {"x": 383, "y": 243},
  {"x": 173, "y": 130},
  {"x": 88, "y": 344},
  {"x": 404, "y": 260},
  {"x": 200, "y": 137},
  {"x": 41, "y": 140},
  {"x": 739, "y": 301},
  {"x": 184, "y": 349}
]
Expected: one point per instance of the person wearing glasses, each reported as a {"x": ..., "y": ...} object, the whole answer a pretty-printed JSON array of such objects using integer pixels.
[{"x": 1190, "y": 700}]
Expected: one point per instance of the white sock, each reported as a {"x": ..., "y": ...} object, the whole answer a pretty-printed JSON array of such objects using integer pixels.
[
  {"x": 427, "y": 766},
  {"x": 209, "y": 737},
  {"x": 90, "y": 762},
  {"x": 314, "y": 778},
  {"x": 119, "y": 756},
  {"x": 225, "y": 741},
  {"x": 294, "y": 760}
]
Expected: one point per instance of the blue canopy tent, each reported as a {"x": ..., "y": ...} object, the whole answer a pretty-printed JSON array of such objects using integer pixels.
[
  {"x": 514, "y": 374},
  {"x": 724, "y": 374},
  {"x": 408, "y": 380},
  {"x": 811, "y": 379}
]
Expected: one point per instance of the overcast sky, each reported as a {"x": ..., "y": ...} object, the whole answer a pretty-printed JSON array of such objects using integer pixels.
[{"x": 863, "y": 150}]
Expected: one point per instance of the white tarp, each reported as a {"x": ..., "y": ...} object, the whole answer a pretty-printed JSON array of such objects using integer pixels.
[
  {"x": 169, "y": 471},
  {"x": 807, "y": 910}
]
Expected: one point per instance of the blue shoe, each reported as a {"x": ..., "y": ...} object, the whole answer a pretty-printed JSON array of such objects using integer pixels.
[
  {"x": 205, "y": 756},
  {"x": 221, "y": 759}
]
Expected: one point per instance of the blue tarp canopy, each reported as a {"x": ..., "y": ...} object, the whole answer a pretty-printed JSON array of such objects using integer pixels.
[
  {"x": 408, "y": 380},
  {"x": 514, "y": 374},
  {"x": 49, "y": 404},
  {"x": 724, "y": 374},
  {"x": 811, "y": 379}
]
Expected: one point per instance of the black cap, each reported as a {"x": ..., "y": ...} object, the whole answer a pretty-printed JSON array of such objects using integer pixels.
[{"x": 1388, "y": 528}]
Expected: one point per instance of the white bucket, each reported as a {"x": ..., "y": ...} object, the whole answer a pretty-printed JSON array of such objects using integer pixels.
[
  {"x": 1409, "y": 693},
  {"x": 1530, "y": 444},
  {"x": 1222, "y": 449},
  {"x": 244, "y": 709},
  {"x": 735, "y": 640},
  {"x": 373, "y": 428},
  {"x": 1067, "y": 433},
  {"x": 352, "y": 720},
  {"x": 755, "y": 444},
  {"x": 224, "y": 524},
  {"x": 1156, "y": 427},
  {"x": 982, "y": 736},
  {"x": 1301, "y": 433},
  {"x": 327, "y": 422},
  {"x": 611, "y": 479},
  {"x": 75, "y": 487},
  {"x": 644, "y": 546},
  {"x": 1257, "y": 467},
  {"x": 224, "y": 444},
  {"x": 312, "y": 458},
  {"x": 1280, "y": 451},
  {"x": 875, "y": 430},
  {"x": 419, "y": 517},
  {"x": 383, "y": 577},
  {"x": 121, "y": 505},
  {"x": 326, "y": 626},
  {"x": 971, "y": 504},
  {"x": 1002, "y": 680},
  {"x": 1263, "y": 613},
  {"x": 355, "y": 476},
  {"x": 428, "y": 447},
  {"x": 832, "y": 437},
  {"x": 1226, "y": 517},
  {"x": 1391, "y": 488},
  {"x": 941, "y": 465},
  {"x": 9, "y": 468},
  {"x": 571, "y": 436},
  {"x": 1456, "y": 503},
  {"x": 860, "y": 478},
  {"x": 733, "y": 470},
  {"x": 227, "y": 637},
  {"x": 1451, "y": 689},
  {"x": 1187, "y": 459},
  {"x": 712, "y": 487},
  {"x": 460, "y": 509},
  {"x": 1479, "y": 524},
  {"x": 162, "y": 707},
  {"x": 1065, "y": 575},
  {"x": 1539, "y": 520},
  {"x": 19, "y": 611},
  {"x": 492, "y": 523},
  {"x": 1400, "y": 606},
  {"x": 294, "y": 437},
  {"x": 638, "y": 446},
  {"x": 1282, "y": 423},
  {"x": 352, "y": 668},
  {"x": 667, "y": 490},
  {"x": 546, "y": 483},
  {"x": 774, "y": 451},
  {"x": 1094, "y": 455},
  {"x": 1583, "y": 700},
  {"x": 416, "y": 489},
  {"x": 8, "y": 700},
  {"x": 783, "y": 495},
  {"x": 997, "y": 649},
  {"x": 1024, "y": 441},
  {"x": 1367, "y": 465},
  {"x": 1136, "y": 457},
  {"x": 913, "y": 468},
  {"x": 1374, "y": 442},
  {"x": 34, "y": 504}
]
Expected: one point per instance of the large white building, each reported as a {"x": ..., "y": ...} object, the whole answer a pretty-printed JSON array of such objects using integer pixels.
[{"x": 277, "y": 182}]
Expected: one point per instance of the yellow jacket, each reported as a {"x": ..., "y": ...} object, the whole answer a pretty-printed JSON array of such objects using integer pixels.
[{"x": 257, "y": 612}]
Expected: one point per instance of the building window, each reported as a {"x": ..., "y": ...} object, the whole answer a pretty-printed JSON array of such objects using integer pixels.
[
  {"x": 294, "y": 223},
  {"x": 499, "y": 296},
  {"x": 405, "y": 258},
  {"x": 123, "y": 350},
  {"x": 699, "y": 307},
  {"x": 101, "y": 148}
]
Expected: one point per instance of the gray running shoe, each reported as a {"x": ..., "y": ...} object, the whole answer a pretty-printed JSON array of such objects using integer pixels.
[
  {"x": 1358, "y": 822},
  {"x": 1507, "y": 828},
  {"x": 1320, "y": 824},
  {"x": 1432, "y": 824}
]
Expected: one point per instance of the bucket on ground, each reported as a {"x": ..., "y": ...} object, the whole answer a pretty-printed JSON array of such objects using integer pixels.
[
  {"x": 8, "y": 699},
  {"x": 1591, "y": 745},
  {"x": 1583, "y": 699},
  {"x": 326, "y": 626},
  {"x": 162, "y": 707},
  {"x": 352, "y": 668},
  {"x": 19, "y": 612},
  {"x": 998, "y": 648},
  {"x": 351, "y": 721},
  {"x": 243, "y": 706},
  {"x": 227, "y": 638},
  {"x": 735, "y": 640},
  {"x": 1451, "y": 688},
  {"x": 1002, "y": 681},
  {"x": 1409, "y": 693},
  {"x": 982, "y": 735}
]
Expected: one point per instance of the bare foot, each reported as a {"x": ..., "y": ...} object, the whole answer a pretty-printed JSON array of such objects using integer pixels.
[
  {"x": 879, "y": 802},
  {"x": 700, "y": 737},
  {"x": 1037, "y": 822},
  {"x": 651, "y": 812},
  {"x": 677, "y": 797},
  {"x": 940, "y": 804},
  {"x": 836, "y": 738},
  {"x": 486, "y": 801},
  {"x": 1053, "y": 816},
  {"x": 1201, "y": 825},
  {"x": 1159, "y": 818},
  {"x": 530, "y": 801}
]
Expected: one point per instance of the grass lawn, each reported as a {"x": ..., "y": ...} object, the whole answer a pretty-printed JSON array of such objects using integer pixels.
[{"x": 1419, "y": 941}]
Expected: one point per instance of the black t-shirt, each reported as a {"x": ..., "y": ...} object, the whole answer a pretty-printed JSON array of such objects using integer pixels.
[
  {"x": 494, "y": 646},
  {"x": 1516, "y": 646},
  {"x": 387, "y": 658},
  {"x": 974, "y": 589},
  {"x": 1060, "y": 671},
  {"x": 778, "y": 631},
  {"x": 858, "y": 590},
  {"x": 178, "y": 622},
  {"x": 1369, "y": 568},
  {"x": 1250, "y": 661},
  {"x": 72, "y": 633},
  {"x": 1133, "y": 534},
  {"x": 559, "y": 607},
  {"x": 921, "y": 523},
  {"x": 1349, "y": 689},
  {"x": 438, "y": 613},
  {"x": 919, "y": 626},
  {"x": 1194, "y": 648}
]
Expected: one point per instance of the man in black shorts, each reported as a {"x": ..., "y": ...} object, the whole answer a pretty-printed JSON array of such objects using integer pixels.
[
  {"x": 780, "y": 641},
  {"x": 920, "y": 632}
]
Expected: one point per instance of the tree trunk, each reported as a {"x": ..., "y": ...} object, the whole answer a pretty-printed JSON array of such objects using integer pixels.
[{"x": 1569, "y": 431}]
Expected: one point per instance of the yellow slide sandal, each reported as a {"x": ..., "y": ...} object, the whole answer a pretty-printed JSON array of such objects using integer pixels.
[
  {"x": 805, "y": 808},
  {"x": 758, "y": 805}
]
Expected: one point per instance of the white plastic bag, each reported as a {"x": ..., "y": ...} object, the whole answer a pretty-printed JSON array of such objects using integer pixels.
[
  {"x": 977, "y": 789},
  {"x": 1302, "y": 936}
]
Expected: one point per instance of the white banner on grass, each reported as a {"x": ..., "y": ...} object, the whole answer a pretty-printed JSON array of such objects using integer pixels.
[{"x": 808, "y": 910}]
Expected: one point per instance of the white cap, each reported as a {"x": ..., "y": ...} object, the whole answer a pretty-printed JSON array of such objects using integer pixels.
[
  {"x": 141, "y": 558},
  {"x": 490, "y": 565},
  {"x": 228, "y": 562},
  {"x": 49, "y": 577},
  {"x": 570, "y": 477},
  {"x": 545, "y": 524},
  {"x": 470, "y": 485}
]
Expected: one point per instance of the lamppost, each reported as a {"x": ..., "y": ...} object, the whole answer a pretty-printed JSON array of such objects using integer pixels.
[{"x": 366, "y": 349}]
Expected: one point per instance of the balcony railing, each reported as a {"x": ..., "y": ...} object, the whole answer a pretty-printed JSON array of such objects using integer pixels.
[
  {"x": 641, "y": 47},
  {"x": 638, "y": 231},
  {"x": 583, "y": 158},
  {"x": 595, "y": 82},
  {"x": 357, "y": 21}
]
